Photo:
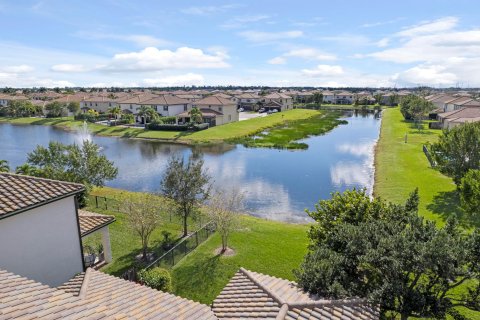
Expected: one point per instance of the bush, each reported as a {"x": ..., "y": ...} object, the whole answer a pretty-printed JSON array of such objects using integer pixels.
[
  {"x": 168, "y": 120},
  {"x": 156, "y": 278},
  {"x": 167, "y": 127},
  {"x": 470, "y": 192},
  {"x": 201, "y": 126}
]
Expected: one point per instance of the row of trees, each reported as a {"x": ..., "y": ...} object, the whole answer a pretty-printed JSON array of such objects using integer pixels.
[
  {"x": 388, "y": 254},
  {"x": 25, "y": 108},
  {"x": 415, "y": 108}
]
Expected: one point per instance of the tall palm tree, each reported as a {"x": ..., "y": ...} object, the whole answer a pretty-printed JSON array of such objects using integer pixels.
[
  {"x": 148, "y": 113},
  {"x": 4, "y": 166}
]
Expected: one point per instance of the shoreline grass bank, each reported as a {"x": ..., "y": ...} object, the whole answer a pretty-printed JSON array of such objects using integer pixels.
[{"x": 217, "y": 134}]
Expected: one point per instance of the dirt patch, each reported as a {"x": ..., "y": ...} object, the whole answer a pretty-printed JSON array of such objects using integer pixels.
[{"x": 228, "y": 253}]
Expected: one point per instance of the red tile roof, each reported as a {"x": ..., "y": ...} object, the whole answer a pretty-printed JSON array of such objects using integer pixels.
[
  {"x": 19, "y": 193},
  {"x": 90, "y": 221}
]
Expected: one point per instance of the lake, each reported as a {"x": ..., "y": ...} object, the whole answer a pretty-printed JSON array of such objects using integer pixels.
[{"x": 278, "y": 184}]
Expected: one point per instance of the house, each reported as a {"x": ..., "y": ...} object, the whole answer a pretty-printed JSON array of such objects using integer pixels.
[
  {"x": 285, "y": 102},
  {"x": 343, "y": 97},
  {"x": 215, "y": 111},
  {"x": 5, "y": 98},
  {"x": 454, "y": 118},
  {"x": 168, "y": 105},
  {"x": 328, "y": 96},
  {"x": 248, "y": 101},
  {"x": 132, "y": 103},
  {"x": 39, "y": 228},
  {"x": 252, "y": 295},
  {"x": 458, "y": 103}
]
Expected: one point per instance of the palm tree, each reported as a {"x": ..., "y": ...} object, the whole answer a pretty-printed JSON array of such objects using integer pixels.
[
  {"x": 4, "y": 166},
  {"x": 115, "y": 111},
  {"x": 195, "y": 115},
  {"x": 147, "y": 113},
  {"x": 27, "y": 169}
]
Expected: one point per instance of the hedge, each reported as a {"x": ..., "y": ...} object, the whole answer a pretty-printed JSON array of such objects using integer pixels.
[{"x": 156, "y": 278}]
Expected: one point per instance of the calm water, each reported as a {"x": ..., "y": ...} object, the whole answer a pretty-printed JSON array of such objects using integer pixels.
[{"x": 278, "y": 184}]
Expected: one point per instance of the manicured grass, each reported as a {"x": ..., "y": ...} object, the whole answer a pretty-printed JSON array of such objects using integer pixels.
[
  {"x": 216, "y": 134},
  {"x": 264, "y": 246},
  {"x": 401, "y": 167},
  {"x": 286, "y": 135}
]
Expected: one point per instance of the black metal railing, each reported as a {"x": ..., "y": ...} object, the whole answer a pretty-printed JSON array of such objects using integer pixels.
[{"x": 429, "y": 156}]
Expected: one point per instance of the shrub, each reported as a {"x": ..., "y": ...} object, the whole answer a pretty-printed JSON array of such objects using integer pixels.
[
  {"x": 201, "y": 126},
  {"x": 167, "y": 127},
  {"x": 168, "y": 120},
  {"x": 156, "y": 278}
]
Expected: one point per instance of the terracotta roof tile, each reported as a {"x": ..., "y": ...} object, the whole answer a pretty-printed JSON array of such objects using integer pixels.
[
  {"x": 90, "y": 221},
  {"x": 19, "y": 192},
  {"x": 92, "y": 295},
  {"x": 251, "y": 295}
]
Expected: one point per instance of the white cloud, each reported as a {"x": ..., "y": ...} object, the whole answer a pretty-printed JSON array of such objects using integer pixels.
[
  {"x": 277, "y": 60},
  {"x": 381, "y": 23},
  {"x": 260, "y": 36},
  {"x": 177, "y": 80},
  {"x": 141, "y": 40},
  {"x": 241, "y": 21},
  {"x": 323, "y": 70},
  {"x": 23, "y": 68},
  {"x": 208, "y": 10},
  {"x": 428, "y": 27},
  {"x": 427, "y": 75},
  {"x": 153, "y": 59},
  {"x": 383, "y": 42},
  {"x": 65, "y": 67}
]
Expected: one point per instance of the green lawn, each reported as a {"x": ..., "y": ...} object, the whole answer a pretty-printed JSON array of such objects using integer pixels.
[
  {"x": 216, "y": 134},
  {"x": 400, "y": 167},
  {"x": 263, "y": 246},
  {"x": 286, "y": 135}
]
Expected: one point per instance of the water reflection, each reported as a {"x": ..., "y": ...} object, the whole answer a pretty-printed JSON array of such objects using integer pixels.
[{"x": 278, "y": 184}]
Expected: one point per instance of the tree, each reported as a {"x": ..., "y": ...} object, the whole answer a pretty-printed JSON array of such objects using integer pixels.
[
  {"x": 458, "y": 150},
  {"x": 156, "y": 278},
  {"x": 28, "y": 170},
  {"x": 115, "y": 111},
  {"x": 187, "y": 185},
  {"x": 390, "y": 256},
  {"x": 470, "y": 192},
  {"x": 22, "y": 108},
  {"x": 73, "y": 107},
  {"x": 195, "y": 115},
  {"x": 4, "y": 167},
  {"x": 223, "y": 209},
  {"x": 378, "y": 98},
  {"x": 147, "y": 113},
  {"x": 415, "y": 108},
  {"x": 318, "y": 98},
  {"x": 75, "y": 163},
  {"x": 144, "y": 216},
  {"x": 55, "y": 109}
]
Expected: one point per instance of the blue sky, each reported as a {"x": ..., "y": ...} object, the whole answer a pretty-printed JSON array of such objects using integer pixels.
[{"x": 277, "y": 43}]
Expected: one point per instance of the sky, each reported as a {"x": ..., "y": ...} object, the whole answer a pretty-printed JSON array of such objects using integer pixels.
[{"x": 250, "y": 43}]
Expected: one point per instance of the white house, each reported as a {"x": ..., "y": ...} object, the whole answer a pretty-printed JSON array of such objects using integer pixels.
[
  {"x": 328, "y": 96},
  {"x": 248, "y": 101},
  {"x": 168, "y": 105},
  {"x": 41, "y": 230},
  {"x": 215, "y": 111},
  {"x": 283, "y": 100}
]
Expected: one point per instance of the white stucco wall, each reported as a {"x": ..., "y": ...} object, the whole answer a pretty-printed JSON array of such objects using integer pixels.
[{"x": 42, "y": 244}]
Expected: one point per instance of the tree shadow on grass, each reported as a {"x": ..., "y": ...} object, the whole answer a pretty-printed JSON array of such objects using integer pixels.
[{"x": 447, "y": 204}]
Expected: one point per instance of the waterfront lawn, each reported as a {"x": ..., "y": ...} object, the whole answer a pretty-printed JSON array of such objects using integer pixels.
[
  {"x": 216, "y": 134},
  {"x": 287, "y": 135},
  {"x": 260, "y": 245}
]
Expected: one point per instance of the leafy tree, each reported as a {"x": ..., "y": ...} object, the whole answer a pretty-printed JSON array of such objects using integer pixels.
[
  {"x": 144, "y": 216},
  {"x": 188, "y": 185},
  {"x": 390, "y": 256},
  {"x": 4, "y": 167},
  {"x": 393, "y": 99},
  {"x": 224, "y": 207},
  {"x": 415, "y": 107},
  {"x": 22, "y": 108},
  {"x": 195, "y": 115},
  {"x": 28, "y": 170},
  {"x": 55, "y": 109},
  {"x": 470, "y": 192},
  {"x": 75, "y": 163},
  {"x": 458, "y": 150},
  {"x": 318, "y": 98},
  {"x": 378, "y": 98},
  {"x": 73, "y": 107},
  {"x": 128, "y": 118}
]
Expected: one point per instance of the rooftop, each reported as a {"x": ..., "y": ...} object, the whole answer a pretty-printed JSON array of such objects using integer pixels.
[
  {"x": 90, "y": 221},
  {"x": 19, "y": 193},
  {"x": 252, "y": 295}
]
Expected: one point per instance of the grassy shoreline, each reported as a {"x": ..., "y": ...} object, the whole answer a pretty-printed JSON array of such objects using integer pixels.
[{"x": 217, "y": 134}]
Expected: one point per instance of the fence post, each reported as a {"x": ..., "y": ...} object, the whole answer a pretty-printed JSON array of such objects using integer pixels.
[
  {"x": 96, "y": 201},
  {"x": 173, "y": 258},
  {"x": 106, "y": 205},
  {"x": 196, "y": 237}
]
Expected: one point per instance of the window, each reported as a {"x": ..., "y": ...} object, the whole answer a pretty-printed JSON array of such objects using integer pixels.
[
  {"x": 219, "y": 108},
  {"x": 96, "y": 105},
  {"x": 229, "y": 117},
  {"x": 185, "y": 107},
  {"x": 109, "y": 104},
  {"x": 156, "y": 108},
  {"x": 90, "y": 104},
  {"x": 131, "y": 107},
  {"x": 165, "y": 108}
]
